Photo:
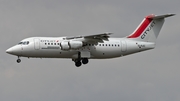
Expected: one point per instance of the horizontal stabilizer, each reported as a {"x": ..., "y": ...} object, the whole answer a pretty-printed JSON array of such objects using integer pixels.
[{"x": 152, "y": 16}]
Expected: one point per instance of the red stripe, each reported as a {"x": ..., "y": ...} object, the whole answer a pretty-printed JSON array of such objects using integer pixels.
[{"x": 142, "y": 27}]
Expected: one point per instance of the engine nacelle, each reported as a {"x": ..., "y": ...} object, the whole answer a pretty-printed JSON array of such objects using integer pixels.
[
  {"x": 67, "y": 45},
  {"x": 75, "y": 44},
  {"x": 64, "y": 45}
]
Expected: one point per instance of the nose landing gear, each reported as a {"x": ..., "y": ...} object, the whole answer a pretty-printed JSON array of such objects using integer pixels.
[{"x": 18, "y": 60}]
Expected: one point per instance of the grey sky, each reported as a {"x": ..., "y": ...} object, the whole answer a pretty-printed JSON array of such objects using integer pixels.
[{"x": 148, "y": 76}]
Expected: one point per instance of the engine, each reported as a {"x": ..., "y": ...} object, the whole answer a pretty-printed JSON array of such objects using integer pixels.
[
  {"x": 75, "y": 44},
  {"x": 67, "y": 45},
  {"x": 64, "y": 45}
]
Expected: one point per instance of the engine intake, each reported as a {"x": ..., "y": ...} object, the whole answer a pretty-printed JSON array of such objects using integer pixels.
[{"x": 64, "y": 45}]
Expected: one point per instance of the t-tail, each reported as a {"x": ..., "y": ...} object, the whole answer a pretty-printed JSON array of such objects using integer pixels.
[{"x": 149, "y": 28}]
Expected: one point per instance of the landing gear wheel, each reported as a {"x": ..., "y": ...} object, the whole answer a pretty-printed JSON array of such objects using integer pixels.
[
  {"x": 78, "y": 63},
  {"x": 18, "y": 60},
  {"x": 85, "y": 60}
]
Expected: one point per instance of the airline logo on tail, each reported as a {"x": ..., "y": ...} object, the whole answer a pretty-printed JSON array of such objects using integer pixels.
[
  {"x": 148, "y": 29},
  {"x": 144, "y": 24}
]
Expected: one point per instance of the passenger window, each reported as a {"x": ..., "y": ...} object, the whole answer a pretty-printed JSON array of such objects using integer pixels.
[
  {"x": 27, "y": 42},
  {"x": 48, "y": 43},
  {"x": 54, "y": 43},
  {"x": 45, "y": 43},
  {"x": 99, "y": 44},
  {"x": 102, "y": 44},
  {"x": 51, "y": 43}
]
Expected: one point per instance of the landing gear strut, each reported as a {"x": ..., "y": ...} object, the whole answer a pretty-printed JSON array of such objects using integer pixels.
[
  {"x": 79, "y": 60},
  {"x": 18, "y": 60}
]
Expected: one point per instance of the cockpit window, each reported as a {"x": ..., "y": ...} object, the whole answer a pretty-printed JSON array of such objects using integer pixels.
[
  {"x": 24, "y": 43},
  {"x": 20, "y": 43}
]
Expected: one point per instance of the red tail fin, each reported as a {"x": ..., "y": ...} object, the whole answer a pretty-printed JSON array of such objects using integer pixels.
[{"x": 140, "y": 29}]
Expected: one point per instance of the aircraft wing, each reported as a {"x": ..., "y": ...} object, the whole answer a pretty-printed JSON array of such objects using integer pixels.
[{"x": 91, "y": 38}]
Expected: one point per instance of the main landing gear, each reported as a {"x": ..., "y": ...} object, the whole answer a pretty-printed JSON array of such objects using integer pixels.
[
  {"x": 18, "y": 60},
  {"x": 79, "y": 62}
]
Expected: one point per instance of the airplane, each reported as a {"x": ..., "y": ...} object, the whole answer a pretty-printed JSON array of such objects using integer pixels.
[{"x": 100, "y": 46}]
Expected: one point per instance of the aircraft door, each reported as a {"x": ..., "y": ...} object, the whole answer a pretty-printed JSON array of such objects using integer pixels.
[
  {"x": 36, "y": 44},
  {"x": 123, "y": 46}
]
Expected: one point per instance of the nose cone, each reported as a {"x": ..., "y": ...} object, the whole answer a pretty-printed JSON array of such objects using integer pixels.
[
  {"x": 9, "y": 51},
  {"x": 15, "y": 50}
]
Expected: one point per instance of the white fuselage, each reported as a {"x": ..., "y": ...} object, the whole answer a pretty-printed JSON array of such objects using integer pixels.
[{"x": 49, "y": 47}]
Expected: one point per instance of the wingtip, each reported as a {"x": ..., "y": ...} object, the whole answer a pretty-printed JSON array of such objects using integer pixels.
[
  {"x": 172, "y": 14},
  {"x": 108, "y": 33}
]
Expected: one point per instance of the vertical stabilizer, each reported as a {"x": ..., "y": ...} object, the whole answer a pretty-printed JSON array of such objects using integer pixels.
[{"x": 149, "y": 28}]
